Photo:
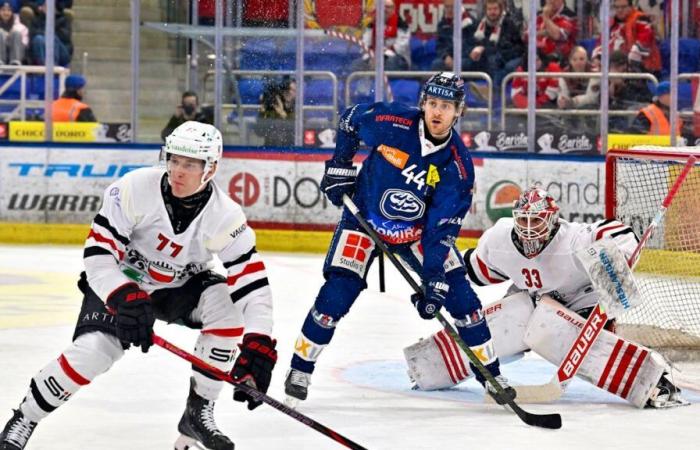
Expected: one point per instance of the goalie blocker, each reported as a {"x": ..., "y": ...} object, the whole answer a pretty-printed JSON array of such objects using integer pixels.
[{"x": 623, "y": 368}]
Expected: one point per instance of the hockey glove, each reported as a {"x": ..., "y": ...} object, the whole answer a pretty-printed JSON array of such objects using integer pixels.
[
  {"x": 339, "y": 179},
  {"x": 429, "y": 305},
  {"x": 256, "y": 361},
  {"x": 134, "y": 312}
]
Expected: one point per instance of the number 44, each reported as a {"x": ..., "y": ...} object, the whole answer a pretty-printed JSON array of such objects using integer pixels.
[{"x": 411, "y": 176}]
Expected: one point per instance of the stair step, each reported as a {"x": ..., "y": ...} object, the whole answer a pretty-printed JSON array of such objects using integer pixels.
[{"x": 111, "y": 12}]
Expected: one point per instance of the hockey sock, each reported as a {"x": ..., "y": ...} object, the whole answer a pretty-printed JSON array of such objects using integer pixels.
[
  {"x": 88, "y": 356},
  {"x": 219, "y": 351}
]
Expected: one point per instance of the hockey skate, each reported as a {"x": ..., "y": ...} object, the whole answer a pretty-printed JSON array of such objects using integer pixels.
[
  {"x": 509, "y": 390},
  {"x": 666, "y": 395},
  {"x": 197, "y": 427},
  {"x": 296, "y": 386},
  {"x": 17, "y": 432}
]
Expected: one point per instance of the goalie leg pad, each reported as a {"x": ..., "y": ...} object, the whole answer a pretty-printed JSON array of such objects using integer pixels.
[
  {"x": 437, "y": 362},
  {"x": 621, "y": 367},
  {"x": 88, "y": 356}
]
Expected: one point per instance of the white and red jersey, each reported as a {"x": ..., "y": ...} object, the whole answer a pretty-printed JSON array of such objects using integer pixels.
[
  {"x": 555, "y": 270},
  {"x": 132, "y": 239}
]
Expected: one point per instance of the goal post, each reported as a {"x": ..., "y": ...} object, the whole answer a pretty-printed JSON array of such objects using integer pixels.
[{"x": 668, "y": 273}]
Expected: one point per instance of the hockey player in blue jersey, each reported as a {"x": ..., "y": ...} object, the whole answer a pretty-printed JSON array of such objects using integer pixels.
[{"x": 415, "y": 188}]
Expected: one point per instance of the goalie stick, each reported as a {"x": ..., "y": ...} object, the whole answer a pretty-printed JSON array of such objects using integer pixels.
[
  {"x": 257, "y": 395},
  {"x": 552, "y": 421},
  {"x": 590, "y": 331}
]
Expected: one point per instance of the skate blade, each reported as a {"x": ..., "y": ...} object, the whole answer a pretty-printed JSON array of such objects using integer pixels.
[
  {"x": 291, "y": 402},
  {"x": 669, "y": 404},
  {"x": 187, "y": 443}
]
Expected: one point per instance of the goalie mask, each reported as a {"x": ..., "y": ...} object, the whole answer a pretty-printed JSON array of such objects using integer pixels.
[
  {"x": 195, "y": 140},
  {"x": 535, "y": 215}
]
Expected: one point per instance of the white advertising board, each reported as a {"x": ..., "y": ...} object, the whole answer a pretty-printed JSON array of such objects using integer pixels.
[{"x": 277, "y": 190}]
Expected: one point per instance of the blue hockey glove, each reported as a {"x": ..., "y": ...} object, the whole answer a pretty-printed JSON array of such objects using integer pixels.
[
  {"x": 339, "y": 179},
  {"x": 429, "y": 305}
]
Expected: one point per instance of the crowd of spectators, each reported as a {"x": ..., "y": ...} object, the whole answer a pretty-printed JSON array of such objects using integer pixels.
[{"x": 22, "y": 32}]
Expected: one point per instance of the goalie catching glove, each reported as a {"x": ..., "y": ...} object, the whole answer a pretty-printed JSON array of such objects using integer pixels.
[
  {"x": 429, "y": 304},
  {"x": 255, "y": 363},
  {"x": 134, "y": 312},
  {"x": 338, "y": 180}
]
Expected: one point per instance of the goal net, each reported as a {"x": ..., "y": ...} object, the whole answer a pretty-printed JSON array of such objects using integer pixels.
[{"x": 668, "y": 272}]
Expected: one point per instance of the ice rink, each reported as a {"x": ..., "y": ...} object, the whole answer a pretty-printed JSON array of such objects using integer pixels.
[{"x": 360, "y": 388}]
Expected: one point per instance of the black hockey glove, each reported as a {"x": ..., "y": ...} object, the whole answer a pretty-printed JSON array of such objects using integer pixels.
[
  {"x": 429, "y": 305},
  {"x": 339, "y": 179},
  {"x": 256, "y": 361},
  {"x": 134, "y": 312}
]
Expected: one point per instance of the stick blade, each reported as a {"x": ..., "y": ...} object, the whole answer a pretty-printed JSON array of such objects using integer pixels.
[
  {"x": 537, "y": 393},
  {"x": 548, "y": 421}
]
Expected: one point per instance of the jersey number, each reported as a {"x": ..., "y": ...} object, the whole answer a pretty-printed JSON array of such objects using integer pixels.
[
  {"x": 532, "y": 278},
  {"x": 418, "y": 178},
  {"x": 164, "y": 241}
]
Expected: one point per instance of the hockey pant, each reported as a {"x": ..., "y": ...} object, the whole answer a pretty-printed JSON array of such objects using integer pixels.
[
  {"x": 345, "y": 270},
  {"x": 625, "y": 369},
  {"x": 203, "y": 302}
]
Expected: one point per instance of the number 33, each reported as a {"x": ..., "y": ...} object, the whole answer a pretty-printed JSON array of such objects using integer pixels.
[{"x": 532, "y": 278}]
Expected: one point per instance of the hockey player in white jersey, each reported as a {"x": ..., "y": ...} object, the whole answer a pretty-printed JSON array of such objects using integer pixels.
[
  {"x": 149, "y": 256},
  {"x": 549, "y": 299}
]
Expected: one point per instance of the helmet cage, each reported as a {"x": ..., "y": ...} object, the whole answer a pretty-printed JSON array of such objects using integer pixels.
[{"x": 535, "y": 215}]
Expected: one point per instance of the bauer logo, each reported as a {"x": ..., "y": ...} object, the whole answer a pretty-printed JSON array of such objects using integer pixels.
[
  {"x": 500, "y": 199},
  {"x": 401, "y": 205}
]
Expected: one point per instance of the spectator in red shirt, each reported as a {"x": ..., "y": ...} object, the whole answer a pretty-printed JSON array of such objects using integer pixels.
[
  {"x": 632, "y": 32},
  {"x": 556, "y": 30},
  {"x": 547, "y": 88},
  {"x": 397, "y": 42}
]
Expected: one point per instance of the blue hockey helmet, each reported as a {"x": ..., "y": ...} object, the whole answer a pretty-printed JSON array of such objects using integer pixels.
[{"x": 444, "y": 85}]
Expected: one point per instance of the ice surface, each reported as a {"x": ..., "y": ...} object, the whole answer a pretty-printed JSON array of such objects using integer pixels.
[{"x": 360, "y": 388}]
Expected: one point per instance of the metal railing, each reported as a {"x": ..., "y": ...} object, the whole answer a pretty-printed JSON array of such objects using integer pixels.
[
  {"x": 427, "y": 74},
  {"x": 568, "y": 112},
  {"x": 333, "y": 107},
  {"x": 22, "y": 103},
  {"x": 688, "y": 77}
]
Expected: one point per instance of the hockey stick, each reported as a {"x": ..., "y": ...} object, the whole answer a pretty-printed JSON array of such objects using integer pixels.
[
  {"x": 257, "y": 395},
  {"x": 552, "y": 421},
  {"x": 596, "y": 321}
]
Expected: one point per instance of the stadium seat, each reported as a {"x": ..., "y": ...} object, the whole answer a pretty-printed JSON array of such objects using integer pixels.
[
  {"x": 423, "y": 52},
  {"x": 688, "y": 56}
]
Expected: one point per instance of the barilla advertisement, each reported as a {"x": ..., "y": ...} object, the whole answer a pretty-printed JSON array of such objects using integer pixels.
[{"x": 276, "y": 189}]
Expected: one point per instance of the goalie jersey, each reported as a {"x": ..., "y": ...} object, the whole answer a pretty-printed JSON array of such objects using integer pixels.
[
  {"x": 555, "y": 270},
  {"x": 135, "y": 241}
]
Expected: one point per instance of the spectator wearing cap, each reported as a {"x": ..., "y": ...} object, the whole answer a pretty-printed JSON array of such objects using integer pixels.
[
  {"x": 654, "y": 119},
  {"x": 70, "y": 107},
  {"x": 14, "y": 36},
  {"x": 63, "y": 44}
]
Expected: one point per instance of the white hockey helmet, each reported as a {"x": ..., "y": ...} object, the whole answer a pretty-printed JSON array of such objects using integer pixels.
[
  {"x": 195, "y": 140},
  {"x": 535, "y": 215}
]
